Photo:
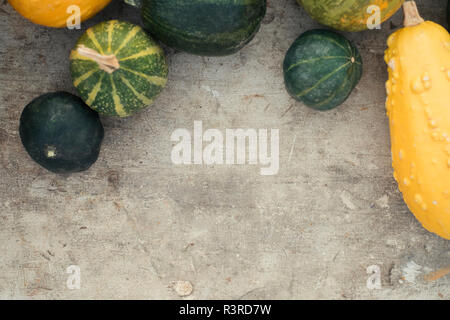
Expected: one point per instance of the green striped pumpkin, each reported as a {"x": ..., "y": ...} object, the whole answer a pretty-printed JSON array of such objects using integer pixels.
[
  {"x": 204, "y": 27},
  {"x": 321, "y": 69},
  {"x": 117, "y": 68}
]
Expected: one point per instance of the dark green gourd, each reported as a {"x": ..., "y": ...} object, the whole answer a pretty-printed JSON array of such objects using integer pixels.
[
  {"x": 204, "y": 27},
  {"x": 61, "y": 133},
  {"x": 321, "y": 69}
]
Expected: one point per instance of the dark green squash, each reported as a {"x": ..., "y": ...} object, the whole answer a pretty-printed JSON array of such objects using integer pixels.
[
  {"x": 204, "y": 27},
  {"x": 61, "y": 133},
  {"x": 321, "y": 69}
]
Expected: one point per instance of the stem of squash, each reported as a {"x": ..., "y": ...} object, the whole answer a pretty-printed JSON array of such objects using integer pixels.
[
  {"x": 412, "y": 16},
  {"x": 106, "y": 63}
]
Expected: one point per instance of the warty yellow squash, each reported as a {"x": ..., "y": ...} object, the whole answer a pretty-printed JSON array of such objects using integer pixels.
[
  {"x": 418, "y": 107},
  {"x": 54, "y": 13}
]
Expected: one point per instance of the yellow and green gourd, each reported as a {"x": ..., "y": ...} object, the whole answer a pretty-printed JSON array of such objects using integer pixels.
[
  {"x": 117, "y": 68},
  {"x": 418, "y": 107},
  {"x": 350, "y": 15}
]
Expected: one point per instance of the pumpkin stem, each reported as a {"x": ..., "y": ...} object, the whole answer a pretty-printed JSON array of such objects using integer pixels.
[
  {"x": 412, "y": 16},
  {"x": 107, "y": 63}
]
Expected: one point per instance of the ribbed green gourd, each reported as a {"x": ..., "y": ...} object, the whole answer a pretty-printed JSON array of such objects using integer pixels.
[
  {"x": 321, "y": 69},
  {"x": 117, "y": 68},
  {"x": 204, "y": 27}
]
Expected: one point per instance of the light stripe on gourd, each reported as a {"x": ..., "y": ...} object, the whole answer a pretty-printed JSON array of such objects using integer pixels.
[
  {"x": 141, "y": 75},
  {"x": 331, "y": 76}
]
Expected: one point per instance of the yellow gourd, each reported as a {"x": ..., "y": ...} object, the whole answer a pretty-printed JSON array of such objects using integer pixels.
[
  {"x": 55, "y": 13},
  {"x": 418, "y": 107}
]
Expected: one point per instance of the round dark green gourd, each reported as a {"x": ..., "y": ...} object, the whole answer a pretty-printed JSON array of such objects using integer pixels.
[
  {"x": 61, "y": 133},
  {"x": 204, "y": 27},
  {"x": 321, "y": 69}
]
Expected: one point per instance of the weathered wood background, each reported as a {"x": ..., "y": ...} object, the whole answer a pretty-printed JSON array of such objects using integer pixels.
[{"x": 135, "y": 223}]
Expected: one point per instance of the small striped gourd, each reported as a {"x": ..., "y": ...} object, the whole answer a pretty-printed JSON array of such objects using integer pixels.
[
  {"x": 117, "y": 68},
  {"x": 321, "y": 69},
  {"x": 418, "y": 106}
]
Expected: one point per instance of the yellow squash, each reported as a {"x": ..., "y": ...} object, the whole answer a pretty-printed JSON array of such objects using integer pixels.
[
  {"x": 418, "y": 107},
  {"x": 55, "y": 13}
]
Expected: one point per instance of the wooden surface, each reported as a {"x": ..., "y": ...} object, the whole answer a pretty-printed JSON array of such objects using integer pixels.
[{"x": 136, "y": 223}]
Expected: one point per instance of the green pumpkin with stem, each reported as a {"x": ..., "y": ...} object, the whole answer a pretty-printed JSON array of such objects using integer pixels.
[
  {"x": 117, "y": 68},
  {"x": 321, "y": 69}
]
